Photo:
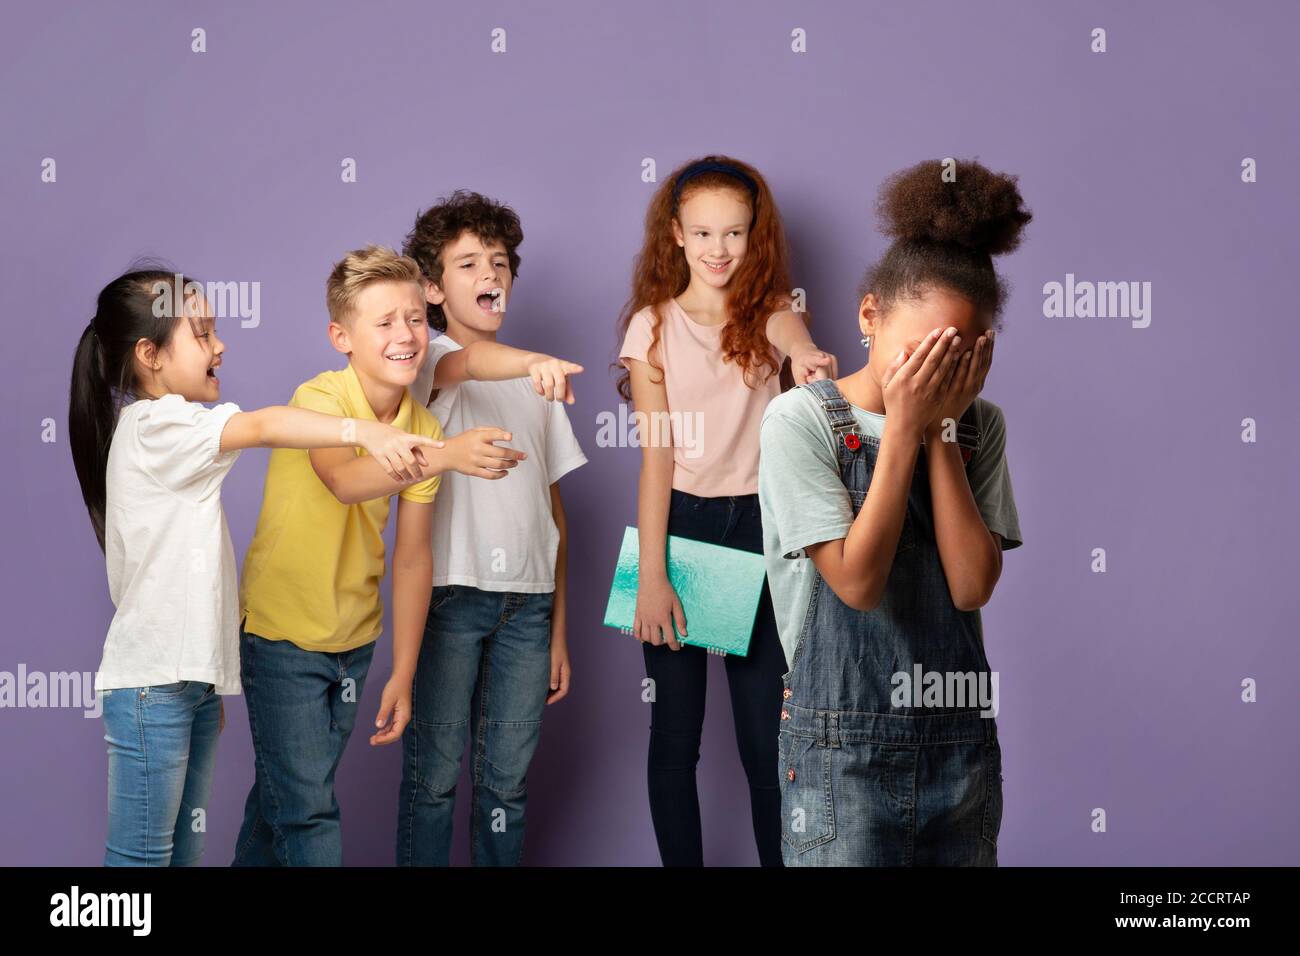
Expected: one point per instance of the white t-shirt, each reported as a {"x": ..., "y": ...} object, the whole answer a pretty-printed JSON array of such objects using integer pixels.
[
  {"x": 499, "y": 535},
  {"x": 171, "y": 566}
]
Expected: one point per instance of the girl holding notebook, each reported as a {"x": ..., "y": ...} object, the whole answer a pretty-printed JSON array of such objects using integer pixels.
[
  {"x": 704, "y": 336},
  {"x": 887, "y": 505}
]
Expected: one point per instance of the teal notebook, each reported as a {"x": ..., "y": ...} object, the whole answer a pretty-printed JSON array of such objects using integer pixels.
[{"x": 719, "y": 589}]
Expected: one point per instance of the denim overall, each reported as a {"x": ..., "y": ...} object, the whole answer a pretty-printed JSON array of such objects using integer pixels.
[{"x": 865, "y": 782}]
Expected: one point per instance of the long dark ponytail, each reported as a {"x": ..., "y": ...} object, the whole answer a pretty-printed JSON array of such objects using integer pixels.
[{"x": 104, "y": 374}]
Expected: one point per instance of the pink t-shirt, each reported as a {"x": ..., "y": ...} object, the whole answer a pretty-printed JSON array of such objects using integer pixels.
[{"x": 713, "y": 416}]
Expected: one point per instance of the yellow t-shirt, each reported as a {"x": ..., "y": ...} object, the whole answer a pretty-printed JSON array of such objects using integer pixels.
[{"x": 312, "y": 573}]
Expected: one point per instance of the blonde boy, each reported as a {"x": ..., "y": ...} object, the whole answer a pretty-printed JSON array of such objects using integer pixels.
[{"x": 309, "y": 600}]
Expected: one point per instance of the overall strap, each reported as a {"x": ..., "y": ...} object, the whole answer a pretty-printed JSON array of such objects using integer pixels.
[
  {"x": 834, "y": 405},
  {"x": 840, "y": 416}
]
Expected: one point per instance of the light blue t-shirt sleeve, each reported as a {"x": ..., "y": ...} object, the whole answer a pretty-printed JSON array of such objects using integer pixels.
[
  {"x": 990, "y": 478},
  {"x": 799, "y": 485}
]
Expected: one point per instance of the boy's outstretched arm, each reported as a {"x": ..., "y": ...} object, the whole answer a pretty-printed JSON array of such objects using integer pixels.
[
  {"x": 493, "y": 362},
  {"x": 560, "y": 670},
  {"x": 288, "y": 426},
  {"x": 412, "y": 584},
  {"x": 353, "y": 478}
]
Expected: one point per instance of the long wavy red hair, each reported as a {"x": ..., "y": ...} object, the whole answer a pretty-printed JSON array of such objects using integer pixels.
[{"x": 760, "y": 287}]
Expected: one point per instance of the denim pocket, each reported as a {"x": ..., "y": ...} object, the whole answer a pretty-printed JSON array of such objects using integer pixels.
[
  {"x": 168, "y": 690},
  {"x": 676, "y": 501},
  {"x": 992, "y": 792},
  {"x": 807, "y": 801},
  {"x": 441, "y": 595}
]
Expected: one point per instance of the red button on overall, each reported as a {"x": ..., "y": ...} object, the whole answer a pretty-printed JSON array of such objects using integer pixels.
[
  {"x": 787, "y": 693},
  {"x": 852, "y": 442},
  {"x": 789, "y": 774},
  {"x": 785, "y": 714}
]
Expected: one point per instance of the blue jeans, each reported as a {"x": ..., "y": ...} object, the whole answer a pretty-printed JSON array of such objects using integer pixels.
[
  {"x": 485, "y": 669},
  {"x": 162, "y": 748},
  {"x": 302, "y": 706},
  {"x": 868, "y": 779}
]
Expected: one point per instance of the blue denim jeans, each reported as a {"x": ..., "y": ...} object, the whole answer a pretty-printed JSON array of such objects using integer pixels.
[
  {"x": 302, "y": 706},
  {"x": 867, "y": 778},
  {"x": 162, "y": 748},
  {"x": 485, "y": 671}
]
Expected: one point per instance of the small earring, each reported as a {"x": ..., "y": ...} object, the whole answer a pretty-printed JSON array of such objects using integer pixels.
[{"x": 866, "y": 341}]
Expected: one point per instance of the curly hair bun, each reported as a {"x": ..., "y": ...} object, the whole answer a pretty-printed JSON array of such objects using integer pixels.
[{"x": 978, "y": 209}]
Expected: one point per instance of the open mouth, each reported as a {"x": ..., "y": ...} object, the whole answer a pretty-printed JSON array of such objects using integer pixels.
[
  {"x": 717, "y": 267},
  {"x": 212, "y": 372},
  {"x": 401, "y": 358},
  {"x": 492, "y": 301}
]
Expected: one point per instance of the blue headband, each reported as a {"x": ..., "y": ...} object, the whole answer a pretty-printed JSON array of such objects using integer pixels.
[{"x": 712, "y": 166}]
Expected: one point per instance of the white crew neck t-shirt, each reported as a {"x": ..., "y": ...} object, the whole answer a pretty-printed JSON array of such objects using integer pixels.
[
  {"x": 499, "y": 535},
  {"x": 171, "y": 565}
]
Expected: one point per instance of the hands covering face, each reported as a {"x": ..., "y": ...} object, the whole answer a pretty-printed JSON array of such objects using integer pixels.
[{"x": 937, "y": 381}]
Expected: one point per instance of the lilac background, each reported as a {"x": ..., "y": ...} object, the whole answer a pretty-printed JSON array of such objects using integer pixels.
[{"x": 1119, "y": 690}]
